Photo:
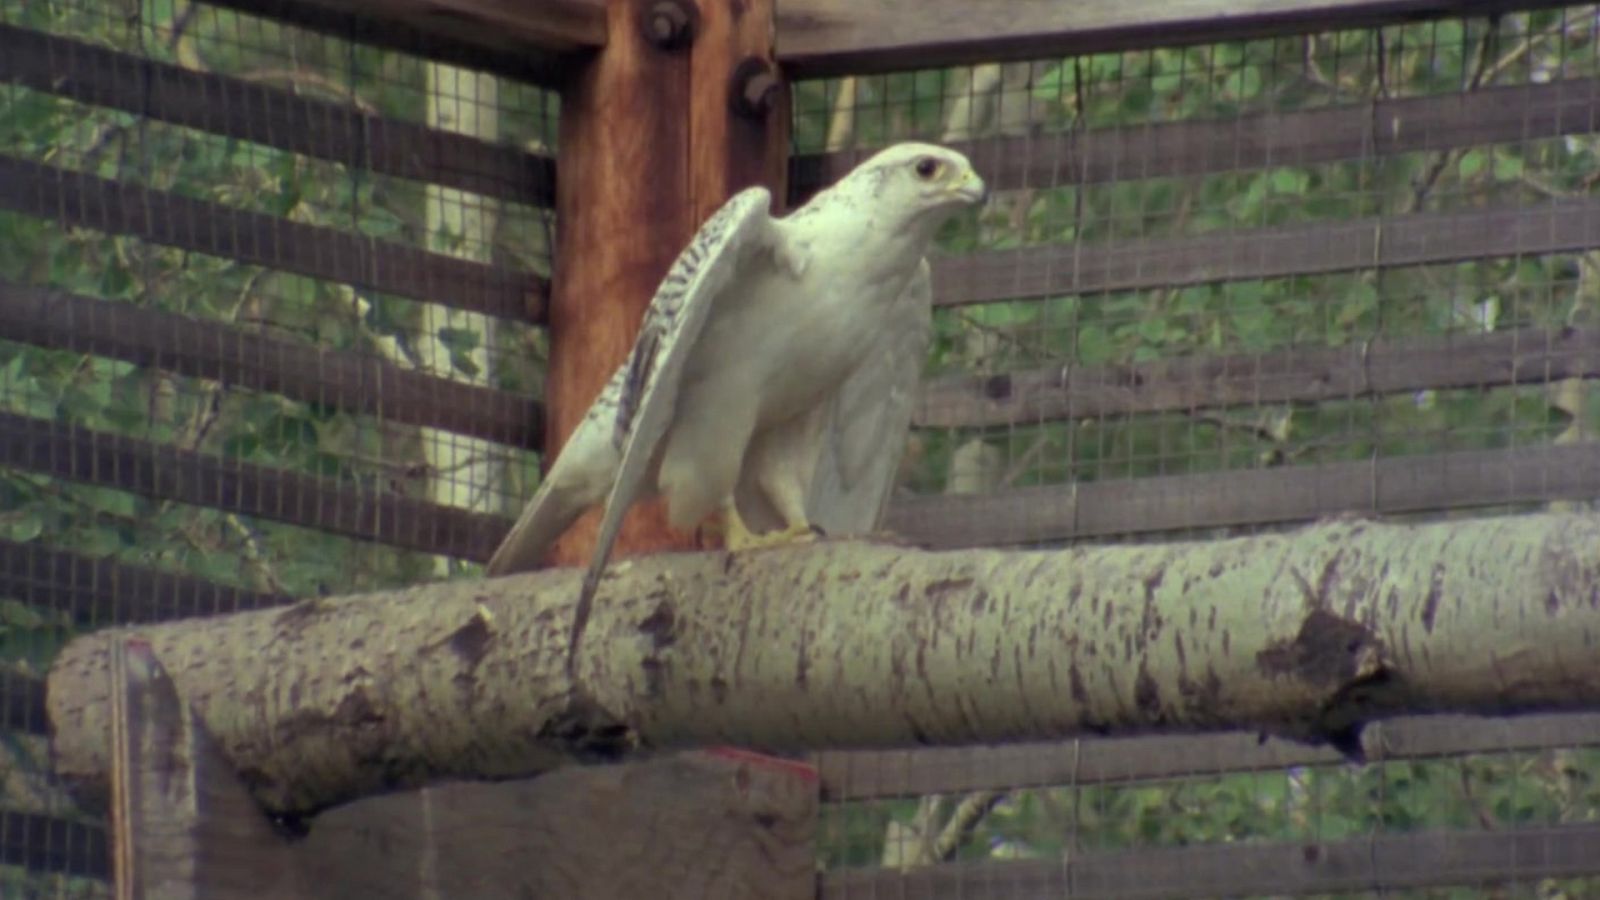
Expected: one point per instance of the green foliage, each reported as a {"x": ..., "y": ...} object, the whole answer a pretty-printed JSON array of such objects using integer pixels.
[{"x": 1051, "y": 100}]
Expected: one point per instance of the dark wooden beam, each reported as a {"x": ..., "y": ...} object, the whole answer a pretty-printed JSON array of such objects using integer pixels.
[
  {"x": 163, "y": 217},
  {"x": 21, "y": 695},
  {"x": 239, "y": 357},
  {"x": 1294, "y": 375},
  {"x": 1364, "y": 131},
  {"x": 877, "y": 774},
  {"x": 1401, "y": 484},
  {"x": 42, "y": 843},
  {"x": 539, "y": 42},
  {"x": 819, "y": 38},
  {"x": 99, "y": 591},
  {"x": 625, "y": 208},
  {"x": 151, "y": 470},
  {"x": 271, "y": 117},
  {"x": 1422, "y": 239},
  {"x": 1251, "y": 868}
]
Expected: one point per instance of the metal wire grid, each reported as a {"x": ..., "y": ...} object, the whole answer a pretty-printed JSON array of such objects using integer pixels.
[
  {"x": 1166, "y": 291},
  {"x": 1260, "y": 205},
  {"x": 217, "y": 260},
  {"x": 224, "y": 376}
]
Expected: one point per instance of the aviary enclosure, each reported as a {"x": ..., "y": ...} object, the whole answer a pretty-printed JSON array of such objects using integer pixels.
[{"x": 293, "y": 293}]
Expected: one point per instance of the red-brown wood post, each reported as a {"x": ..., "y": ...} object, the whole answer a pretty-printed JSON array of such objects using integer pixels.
[{"x": 680, "y": 109}]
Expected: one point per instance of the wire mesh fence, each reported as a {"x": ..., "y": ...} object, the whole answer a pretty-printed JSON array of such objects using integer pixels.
[
  {"x": 269, "y": 305},
  {"x": 1225, "y": 288}
]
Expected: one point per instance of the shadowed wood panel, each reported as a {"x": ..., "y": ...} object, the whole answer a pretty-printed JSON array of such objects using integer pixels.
[
  {"x": 100, "y": 591},
  {"x": 1420, "y": 239},
  {"x": 271, "y": 117},
  {"x": 162, "y": 217},
  {"x": 1260, "y": 140},
  {"x": 183, "y": 825},
  {"x": 849, "y": 37},
  {"x": 869, "y": 774},
  {"x": 1438, "y": 481},
  {"x": 235, "y": 356},
  {"x": 151, "y": 470},
  {"x": 537, "y": 42},
  {"x": 1426, "y": 859},
  {"x": 1295, "y": 375},
  {"x": 21, "y": 695},
  {"x": 48, "y": 844}
]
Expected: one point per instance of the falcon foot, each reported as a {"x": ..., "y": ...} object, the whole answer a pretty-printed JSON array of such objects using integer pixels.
[{"x": 739, "y": 538}]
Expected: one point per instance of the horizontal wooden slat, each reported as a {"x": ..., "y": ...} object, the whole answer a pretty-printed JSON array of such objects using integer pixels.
[
  {"x": 1390, "y": 861},
  {"x": 1421, "y": 239},
  {"x": 97, "y": 591},
  {"x": 21, "y": 698},
  {"x": 1295, "y": 375},
  {"x": 140, "y": 467},
  {"x": 271, "y": 116},
  {"x": 48, "y": 844},
  {"x": 234, "y": 356},
  {"x": 848, "y": 37},
  {"x": 538, "y": 42},
  {"x": 873, "y": 774},
  {"x": 162, "y": 217},
  {"x": 1428, "y": 482},
  {"x": 1261, "y": 140}
]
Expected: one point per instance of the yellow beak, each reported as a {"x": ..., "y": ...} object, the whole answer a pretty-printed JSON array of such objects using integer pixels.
[{"x": 970, "y": 187}]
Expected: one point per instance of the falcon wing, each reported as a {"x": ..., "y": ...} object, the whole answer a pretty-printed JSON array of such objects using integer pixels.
[
  {"x": 865, "y": 433},
  {"x": 672, "y": 325}
]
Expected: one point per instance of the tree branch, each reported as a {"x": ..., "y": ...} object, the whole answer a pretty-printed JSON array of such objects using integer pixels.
[{"x": 843, "y": 644}]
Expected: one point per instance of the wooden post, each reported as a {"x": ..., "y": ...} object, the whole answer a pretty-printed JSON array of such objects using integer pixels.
[{"x": 651, "y": 144}]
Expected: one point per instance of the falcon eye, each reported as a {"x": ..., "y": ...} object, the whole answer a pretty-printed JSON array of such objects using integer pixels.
[{"x": 927, "y": 167}]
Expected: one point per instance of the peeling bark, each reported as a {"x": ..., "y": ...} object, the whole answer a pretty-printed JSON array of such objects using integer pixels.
[{"x": 1306, "y": 634}]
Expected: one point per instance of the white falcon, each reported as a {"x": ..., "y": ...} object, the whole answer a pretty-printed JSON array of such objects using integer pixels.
[{"x": 774, "y": 372}]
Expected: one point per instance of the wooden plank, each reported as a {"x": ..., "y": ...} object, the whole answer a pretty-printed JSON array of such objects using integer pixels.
[
  {"x": 241, "y": 358},
  {"x": 163, "y": 217},
  {"x": 818, "y": 38},
  {"x": 184, "y": 826},
  {"x": 271, "y": 117},
  {"x": 1247, "y": 255},
  {"x": 1358, "y": 131},
  {"x": 49, "y": 844},
  {"x": 685, "y": 826},
  {"x": 625, "y": 208},
  {"x": 140, "y": 467},
  {"x": 875, "y": 774},
  {"x": 1294, "y": 375},
  {"x": 535, "y": 42},
  {"x": 1393, "y": 861},
  {"x": 1425, "y": 482},
  {"x": 99, "y": 591}
]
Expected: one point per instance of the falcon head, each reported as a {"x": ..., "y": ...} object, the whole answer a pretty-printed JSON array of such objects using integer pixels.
[{"x": 922, "y": 178}]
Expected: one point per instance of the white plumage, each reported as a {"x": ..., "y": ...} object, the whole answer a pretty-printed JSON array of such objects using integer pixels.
[{"x": 775, "y": 369}]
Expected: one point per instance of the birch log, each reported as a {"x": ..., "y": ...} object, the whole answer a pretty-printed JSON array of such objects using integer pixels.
[{"x": 1305, "y": 634}]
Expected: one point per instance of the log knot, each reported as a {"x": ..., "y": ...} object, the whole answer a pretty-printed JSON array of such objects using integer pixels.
[{"x": 1327, "y": 652}]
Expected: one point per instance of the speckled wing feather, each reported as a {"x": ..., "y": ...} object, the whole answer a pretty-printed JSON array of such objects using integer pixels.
[
  {"x": 865, "y": 436},
  {"x": 648, "y": 389}
]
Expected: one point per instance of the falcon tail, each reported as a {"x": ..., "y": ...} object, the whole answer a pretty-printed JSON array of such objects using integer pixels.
[{"x": 581, "y": 477}]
